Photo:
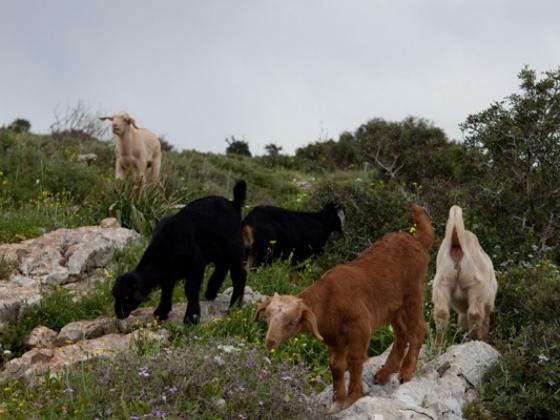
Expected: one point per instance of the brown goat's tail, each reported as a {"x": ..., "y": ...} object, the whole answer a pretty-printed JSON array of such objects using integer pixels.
[{"x": 424, "y": 229}]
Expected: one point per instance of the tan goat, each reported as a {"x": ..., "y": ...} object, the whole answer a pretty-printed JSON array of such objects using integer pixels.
[
  {"x": 385, "y": 284},
  {"x": 464, "y": 279},
  {"x": 137, "y": 149}
]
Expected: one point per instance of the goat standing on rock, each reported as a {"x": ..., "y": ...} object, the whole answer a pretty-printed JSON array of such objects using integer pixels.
[
  {"x": 137, "y": 148},
  {"x": 465, "y": 279},
  {"x": 385, "y": 284},
  {"x": 206, "y": 231}
]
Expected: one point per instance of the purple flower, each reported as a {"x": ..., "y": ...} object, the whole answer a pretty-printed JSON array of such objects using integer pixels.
[
  {"x": 173, "y": 390},
  {"x": 262, "y": 374},
  {"x": 166, "y": 350},
  {"x": 241, "y": 388},
  {"x": 134, "y": 418},
  {"x": 286, "y": 378},
  {"x": 68, "y": 390},
  {"x": 157, "y": 413},
  {"x": 143, "y": 371}
]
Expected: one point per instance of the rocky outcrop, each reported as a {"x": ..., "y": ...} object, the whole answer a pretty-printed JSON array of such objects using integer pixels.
[
  {"x": 101, "y": 337},
  {"x": 41, "y": 337},
  {"x": 61, "y": 257},
  {"x": 33, "y": 365},
  {"x": 439, "y": 390}
]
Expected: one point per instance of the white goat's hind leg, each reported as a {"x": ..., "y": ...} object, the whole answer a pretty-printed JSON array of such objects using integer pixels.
[
  {"x": 476, "y": 316},
  {"x": 440, "y": 299},
  {"x": 462, "y": 320}
]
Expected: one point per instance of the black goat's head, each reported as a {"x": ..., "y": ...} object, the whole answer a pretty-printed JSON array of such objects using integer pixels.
[
  {"x": 127, "y": 294},
  {"x": 334, "y": 214}
]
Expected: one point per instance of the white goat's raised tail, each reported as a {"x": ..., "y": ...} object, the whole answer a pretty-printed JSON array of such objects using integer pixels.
[
  {"x": 465, "y": 280},
  {"x": 455, "y": 229}
]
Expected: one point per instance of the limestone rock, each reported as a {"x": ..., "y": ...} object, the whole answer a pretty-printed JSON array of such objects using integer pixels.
[
  {"x": 439, "y": 390},
  {"x": 13, "y": 299},
  {"x": 32, "y": 365},
  {"x": 110, "y": 222},
  {"x": 41, "y": 337},
  {"x": 56, "y": 258},
  {"x": 84, "y": 330}
]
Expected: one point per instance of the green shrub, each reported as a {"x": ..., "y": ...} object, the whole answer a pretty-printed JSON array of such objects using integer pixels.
[
  {"x": 524, "y": 385},
  {"x": 525, "y": 296}
]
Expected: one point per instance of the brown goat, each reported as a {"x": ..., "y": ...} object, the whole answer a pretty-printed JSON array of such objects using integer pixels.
[{"x": 385, "y": 284}]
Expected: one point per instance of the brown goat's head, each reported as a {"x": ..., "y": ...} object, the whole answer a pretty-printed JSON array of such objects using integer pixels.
[
  {"x": 287, "y": 316},
  {"x": 120, "y": 122}
]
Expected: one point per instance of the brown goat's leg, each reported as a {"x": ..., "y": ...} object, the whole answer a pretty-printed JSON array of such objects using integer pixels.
[
  {"x": 417, "y": 328},
  {"x": 356, "y": 358},
  {"x": 337, "y": 364},
  {"x": 396, "y": 355}
]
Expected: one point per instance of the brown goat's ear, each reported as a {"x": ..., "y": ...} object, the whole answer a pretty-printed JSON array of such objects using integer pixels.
[
  {"x": 309, "y": 320},
  {"x": 106, "y": 117},
  {"x": 260, "y": 309}
]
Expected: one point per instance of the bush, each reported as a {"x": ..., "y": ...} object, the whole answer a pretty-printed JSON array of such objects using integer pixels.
[
  {"x": 525, "y": 296},
  {"x": 524, "y": 385}
]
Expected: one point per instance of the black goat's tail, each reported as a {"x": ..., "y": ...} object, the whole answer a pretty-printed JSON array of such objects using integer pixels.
[{"x": 239, "y": 194}]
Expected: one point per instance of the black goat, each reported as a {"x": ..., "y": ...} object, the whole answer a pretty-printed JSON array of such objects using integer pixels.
[
  {"x": 207, "y": 230},
  {"x": 272, "y": 232}
]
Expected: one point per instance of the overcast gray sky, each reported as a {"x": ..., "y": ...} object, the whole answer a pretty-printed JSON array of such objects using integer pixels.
[{"x": 289, "y": 72}]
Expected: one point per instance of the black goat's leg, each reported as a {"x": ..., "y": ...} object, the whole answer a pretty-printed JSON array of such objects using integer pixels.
[
  {"x": 238, "y": 278},
  {"x": 216, "y": 281},
  {"x": 164, "y": 306},
  {"x": 193, "y": 280}
]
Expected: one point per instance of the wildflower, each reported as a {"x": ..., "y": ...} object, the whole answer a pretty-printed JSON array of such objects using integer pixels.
[
  {"x": 166, "y": 350},
  {"x": 412, "y": 229},
  {"x": 1, "y": 173},
  {"x": 7, "y": 352},
  {"x": 173, "y": 390},
  {"x": 68, "y": 390},
  {"x": 163, "y": 398},
  {"x": 273, "y": 241},
  {"x": 143, "y": 371},
  {"x": 157, "y": 413},
  {"x": 7, "y": 389},
  {"x": 286, "y": 378}
]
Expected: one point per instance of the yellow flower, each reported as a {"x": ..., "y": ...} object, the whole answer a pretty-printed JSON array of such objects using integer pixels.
[
  {"x": 273, "y": 241},
  {"x": 1, "y": 173},
  {"x": 7, "y": 389}
]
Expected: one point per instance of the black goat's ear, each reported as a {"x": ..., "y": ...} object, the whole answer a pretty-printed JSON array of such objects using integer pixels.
[{"x": 140, "y": 296}]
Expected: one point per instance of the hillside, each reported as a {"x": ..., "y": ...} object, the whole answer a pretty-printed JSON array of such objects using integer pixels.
[{"x": 504, "y": 176}]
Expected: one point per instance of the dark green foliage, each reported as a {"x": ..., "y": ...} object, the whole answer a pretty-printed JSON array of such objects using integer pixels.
[
  {"x": 519, "y": 140},
  {"x": 524, "y": 385},
  {"x": 20, "y": 125},
  {"x": 526, "y": 296},
  {"x": 237, "y": 147}
]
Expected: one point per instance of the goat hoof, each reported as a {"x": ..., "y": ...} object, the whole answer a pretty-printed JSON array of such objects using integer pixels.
[
  {"x": 381, "y": 378},
  {"x": 335, "y": 407},
  {"x": 191, "y": 319},
  {"x": 161, "y": 314}
]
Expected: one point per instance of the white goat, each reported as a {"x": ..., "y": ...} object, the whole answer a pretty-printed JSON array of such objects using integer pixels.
[
  {"x": 464, "y": 279},
  {"x": 137, "y": 149}
]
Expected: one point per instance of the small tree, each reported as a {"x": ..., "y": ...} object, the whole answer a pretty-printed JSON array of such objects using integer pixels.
[
  {"x": 237, "y": 147},
  {"x": 20, "y": 125},
  {"x": 519, "y": 138},
  {"x": 79, "y": 123}
]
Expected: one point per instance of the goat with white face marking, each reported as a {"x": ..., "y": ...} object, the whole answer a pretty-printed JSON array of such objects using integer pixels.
[
  {"x": 137, "y": 149},
  {"x": 385, "y": 284},
  {"x": 465, "y": 280}
]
